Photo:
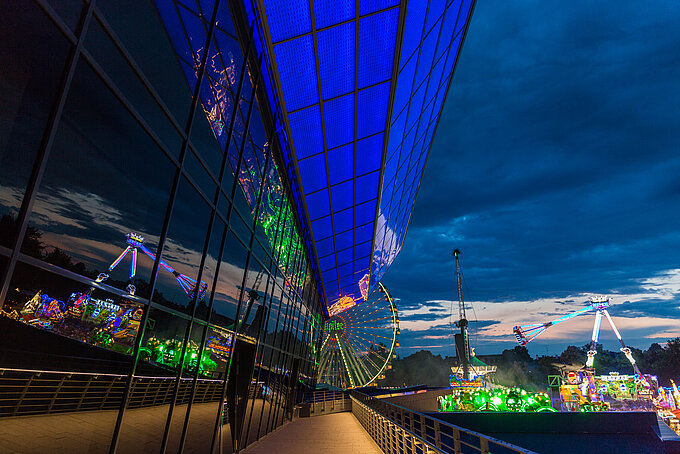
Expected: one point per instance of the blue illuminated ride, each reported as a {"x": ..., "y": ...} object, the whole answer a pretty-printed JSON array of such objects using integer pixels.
[
  {"x": 527, "y": 333},
  {"x": 136, "y": 241}
]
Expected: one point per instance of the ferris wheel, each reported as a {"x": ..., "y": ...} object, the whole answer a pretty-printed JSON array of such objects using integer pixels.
[{"x": 358, "y": 342}]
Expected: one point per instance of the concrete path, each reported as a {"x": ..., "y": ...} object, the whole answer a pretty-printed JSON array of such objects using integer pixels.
[{"x": 335, "y": 433}]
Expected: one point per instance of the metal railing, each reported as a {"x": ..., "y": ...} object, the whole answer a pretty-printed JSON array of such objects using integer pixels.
[
  {"x": 33, "y": 392},
  {"x": 324, "y": 402},
  {"x": 400, "y": 430}
]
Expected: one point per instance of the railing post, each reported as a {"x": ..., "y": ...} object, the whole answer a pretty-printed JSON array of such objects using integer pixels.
[
  {"x": 84, "y": 393},
  {"x": 456, "y": 441},
  {"x": 56, "y": 394},
  {"x": 484, "y": 445}
]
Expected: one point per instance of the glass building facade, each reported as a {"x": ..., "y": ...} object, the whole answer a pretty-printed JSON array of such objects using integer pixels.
[
  {"x": 161, "y": 268},
  {"x": 187, "y": 189}
]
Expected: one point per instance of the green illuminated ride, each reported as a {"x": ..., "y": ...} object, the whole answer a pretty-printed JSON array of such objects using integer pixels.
[{"x": 358, "y": 342}]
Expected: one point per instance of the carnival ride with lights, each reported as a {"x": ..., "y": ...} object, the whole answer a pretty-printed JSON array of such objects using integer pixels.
[
  {"x": 496, "y": 400},
  {"x": 359, "y": 341},
  {"x": 599, "y": 304},
  {"x": 136, "y": 241}
]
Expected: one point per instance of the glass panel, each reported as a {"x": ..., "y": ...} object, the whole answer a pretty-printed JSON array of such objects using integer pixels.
[
  {"x": 297, "y": 72},
  {"x": 377, "y": 41},
  {"x": 99, "y": 206},
  {"x": 230, "y": 280},
  {"x": 194, "y": 357},
  {"x": 112, "y": 62},
  {"x": 336, "y": 58},
  {"x": 153, "y": 388},
  {"x": 176, "y": 282},
  {"x": 207, "y": 403},
  {"x": 34, "y": 54},
  {"x": 68, "y": 10},
  {"x": 153, "y": 54},
  {"x": 210, "y": 266}
]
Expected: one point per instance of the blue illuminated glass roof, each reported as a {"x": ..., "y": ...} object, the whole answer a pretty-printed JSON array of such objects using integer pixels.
[{"x": 360, "y": 86}]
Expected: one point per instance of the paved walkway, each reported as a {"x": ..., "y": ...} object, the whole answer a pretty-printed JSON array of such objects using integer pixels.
[{"x": 335, "y": 433}]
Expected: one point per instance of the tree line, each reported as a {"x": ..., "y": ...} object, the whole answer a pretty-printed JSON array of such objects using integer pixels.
[{"x": 516, "y": 367}]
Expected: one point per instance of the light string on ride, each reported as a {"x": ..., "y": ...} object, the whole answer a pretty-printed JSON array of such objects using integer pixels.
[{"x": 136, "y": 241}]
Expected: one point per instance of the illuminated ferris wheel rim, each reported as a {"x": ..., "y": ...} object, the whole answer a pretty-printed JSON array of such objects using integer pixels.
[{"x": 352, "y": 327}]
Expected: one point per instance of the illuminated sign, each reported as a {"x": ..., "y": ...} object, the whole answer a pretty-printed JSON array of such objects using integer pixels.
[
  {"x": 455, "y": 382},
  {"x": 334, "y": 325}
]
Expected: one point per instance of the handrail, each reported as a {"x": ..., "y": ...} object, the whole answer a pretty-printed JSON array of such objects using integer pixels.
[
  {"x": 32, "y": 392},
  {"x": 386, "y": 422}
]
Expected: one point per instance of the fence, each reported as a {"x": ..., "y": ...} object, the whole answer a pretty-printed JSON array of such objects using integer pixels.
[
  {"x": 324, "y": 402},
  {"x": 31, "y": 392},
  {"x": 400, "y": 430}
]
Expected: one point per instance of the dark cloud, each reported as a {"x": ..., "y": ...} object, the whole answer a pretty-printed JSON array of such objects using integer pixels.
[{"x": 554, "y": 168}]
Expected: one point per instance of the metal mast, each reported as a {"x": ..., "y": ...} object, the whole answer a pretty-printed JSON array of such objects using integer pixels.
[{"x": 462, "y": 343}]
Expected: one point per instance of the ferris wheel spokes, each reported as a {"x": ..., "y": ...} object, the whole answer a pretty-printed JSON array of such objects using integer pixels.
[{"x": 359, "y": 342}]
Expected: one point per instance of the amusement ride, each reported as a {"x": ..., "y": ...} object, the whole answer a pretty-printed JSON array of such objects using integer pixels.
[
  {"x": 359, "y": 340},
  {"x": 599, "y": 304},
  {"x": 136, "y": 241}
]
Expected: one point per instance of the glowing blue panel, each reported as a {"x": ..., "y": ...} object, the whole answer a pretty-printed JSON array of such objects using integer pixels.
[
  {"x": 453, "y": 53},
  {"x": 435, "y": 80},
  {"x": 344, "y": 239},
  {"x": 396, "y": 134},
  {"x": 297, "y": 72},
  {"x": 448, "y": 28},
  {"x": 369, "y": 154},
  {"x": 331, "y": 12},
  {"x": 318, "y": 204},
  {"x": 405, "y": 84},
  {"x": 347, "y": 284},
  {"x": 325, "y": 247},
  {"x": 377, "y": 36},
  {"x": 416, "y": 107},
  {"x": 346, "y": 256},
  {"x": 305, "y": 127},
  {"x": 426, "y": 55},
  {"x": 343, "y": 220},
  {"x": 324, "y": 135},
  {"x": 436, "y": 10},
  {"x": 328, "y": 276},
  {"x": 322, "y": 228},
  {"x": 194, "y": 28},
  {"x": 206, "y": 7},
  {"x": 365, "y": 212},
  {"x": 367, "y": 187},
  {"x": 175, "y": 30},
  {"x": 364, "y": 233},
  {"x": 287, "y": 19},
  {"x": 314, "y": 169},
  {"x": 327, "y": 263},
  {"x": 371, "y": 6},
  {"x": 465, "y": 11},
  {"x": 413, "y": 29},
  {"x": 224, "y": 20},
  {"x": 341, "y": 164},
  {"x": 372, "y": 110},
  {"x": 342, "y": 196},
  {"x": 339, "y": 120},
  {"x": 347, "y": 271},
  {"x": 363, "y": 249},
  {"x": 336, "y": 60}
]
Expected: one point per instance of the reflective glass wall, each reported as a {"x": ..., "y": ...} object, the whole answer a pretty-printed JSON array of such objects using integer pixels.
[{"x": 151, "y": 301}]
